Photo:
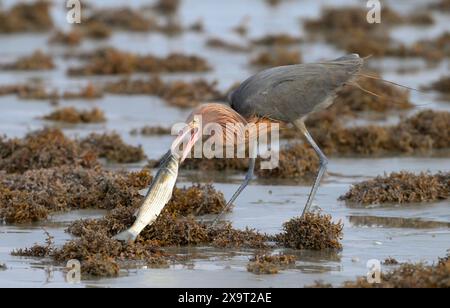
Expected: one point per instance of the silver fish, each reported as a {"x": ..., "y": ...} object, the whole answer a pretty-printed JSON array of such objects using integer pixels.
[{"x": 157, "y": 197}]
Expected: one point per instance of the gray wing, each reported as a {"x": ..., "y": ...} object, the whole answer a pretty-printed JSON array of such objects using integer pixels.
[{"x": 288, "y": 93}]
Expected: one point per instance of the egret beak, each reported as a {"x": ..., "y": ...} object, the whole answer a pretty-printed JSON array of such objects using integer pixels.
[{"x": 187, "y": 137}]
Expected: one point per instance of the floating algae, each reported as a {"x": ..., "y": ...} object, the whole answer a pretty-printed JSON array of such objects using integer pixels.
[
  {"x": 151, "y": 131},
  {"x": 96, "y": 31},
  {"x": 390, "y": 261},
  {"x": 207, "y": 199},
  {"x": 277, "y": 57},
  {"x": 73, "y": 116},
  {"x": 314, "y": 231},
  {"x": 296, "y": 161},
  {"x": 176, "y": 93},
  {"x": 282, "y": 39},
  {"x": 270, "y": 264},
  {"x": 410, "y": 276},
  {"x": 88, "y": 92},
  {"x": 228, "y": 46},
  {"x": 36, "y": 61},
  {"x": 50, "y": 148},
  {"x": 124, "y": 19},
  {"x": 72, "y": 38},
  {"x": 403, "y": 187},
  {"x": 26, "y": 17},
  {"x": 442, "y": 86},
  {"x": 38, "y": 251},
  {"x": 443, "y": 5},
  {"x": 347, "y": 29},
  {"x": 111, "y": 147},
  {"x": 421, "y": 133},
  {"x": 110, "y": 61},
  {"x": 43, "y": 149},
  {"x": 36, "y": 194},
  {"x": 33, "y": 91},
  {"x": 167, "y": 6},
  {"x": 333, "y": 20}
]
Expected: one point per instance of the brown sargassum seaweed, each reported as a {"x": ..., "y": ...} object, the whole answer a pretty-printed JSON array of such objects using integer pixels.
[
  {"x": 151, "y": 131},
  {"x": 314, "y": 231},
  {"x": 406, "y": 275},
  {"x": 36, "y": 61},
  {"x": 36, "y": 194},
  {"x": 26, "y": 17},
  {"x": 111, "y": 147},
  {"x": 110, "y": 61},
  {"x": 347, "y": 28},
  {"x": 442, "y": 86},
  {"x": 49, "y": 148},
  {"x": 270, "y": 264},
  {"x": 282, "y": 39},
  {"x": 176, "y": 93},
  {"x": 278, "y": 57},
  {"x": 74, "y": 116},
  {"x": 402, "y": 187},
  {"x": 410, "y": 276}
]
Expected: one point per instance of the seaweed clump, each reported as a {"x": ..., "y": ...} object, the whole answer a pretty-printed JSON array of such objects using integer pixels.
[
  {"x": 228, "y": 46},
  {"x": 113, "y": 148},
  {"x": 49, "y": 148},
  {"x": 89, "y": 92},
  {"x": 348, "y": 29},
  {"x": 74, "y": 116},
  {"x": 151, "y": 131},
  {"x": 442, "y": 86},
  {"x": 390, "y": 261},
  {"x": 282, "y": 39},
  {"x": 37, "y": 61},
  {"x": 38, "y": 251},
  {"x": 209, "y": 201},
  {"x": 36, "y": 194},
  {"x": 277, "y": 57},
  {"x": 403, "y": 187},
  {"x": 111, "y": 61},
  {"x": 313, "y": 231},
  {"x": 443, "y": 5},
  {"x": 176, "y": 93},
  {"x": 124, "y": 19},
  {"x": 71, "y": 38},
  {"x": 26, "y": 17},
  {"x": 296, "y": 161},
  {"x": 167, "y": 6},
  {"x": 410, "y": 276},
  {"x": 43, "y": 149},
  {"x": 353, "y": 99},
  {"x": 421, "y": 133},
  {"x": 269, "y": 264}
]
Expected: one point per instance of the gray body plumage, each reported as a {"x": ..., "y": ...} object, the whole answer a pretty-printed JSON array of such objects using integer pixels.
[{"x": 289, "y": 93}]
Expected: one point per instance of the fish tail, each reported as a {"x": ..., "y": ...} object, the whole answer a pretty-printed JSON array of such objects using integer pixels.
[{"x": 126, "y": 236}]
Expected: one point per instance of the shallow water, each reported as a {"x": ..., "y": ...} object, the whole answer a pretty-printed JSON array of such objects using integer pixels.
[{"x": 417, "y": 232}]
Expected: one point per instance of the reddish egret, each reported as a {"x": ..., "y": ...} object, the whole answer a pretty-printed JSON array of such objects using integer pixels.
[{"x": 287, "y": 94}]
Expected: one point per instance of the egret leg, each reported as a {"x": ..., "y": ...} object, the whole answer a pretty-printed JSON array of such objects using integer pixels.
[
  {"x": 248, "y": 178},
  {"x": 322, "y": 168}
]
